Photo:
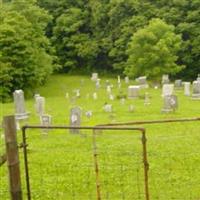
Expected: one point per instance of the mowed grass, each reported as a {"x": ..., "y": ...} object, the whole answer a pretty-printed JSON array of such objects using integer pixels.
[{"x": 62, "y": 164}]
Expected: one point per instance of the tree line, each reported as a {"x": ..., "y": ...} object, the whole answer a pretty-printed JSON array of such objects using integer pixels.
[{"x": 134, "y": 37}]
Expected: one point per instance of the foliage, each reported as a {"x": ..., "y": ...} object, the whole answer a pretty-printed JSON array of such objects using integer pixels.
[
  {"x": 24, "y": 49},
  {"x": 152, "y": 51}
]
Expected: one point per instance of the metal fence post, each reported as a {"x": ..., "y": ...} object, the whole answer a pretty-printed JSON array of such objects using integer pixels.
[
  {"x": 146, "y": 165},
  {"x": 12, "y": 157}
]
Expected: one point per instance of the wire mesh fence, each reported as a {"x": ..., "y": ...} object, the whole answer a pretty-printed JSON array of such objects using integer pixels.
[
  {"x": 65, "y": 166},
  {"x": 174, "y": 157},
  {"x": 99, "y": 165}
]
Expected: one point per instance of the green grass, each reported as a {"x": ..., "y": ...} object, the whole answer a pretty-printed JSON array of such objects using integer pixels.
[{"x": 62, "y": 164}]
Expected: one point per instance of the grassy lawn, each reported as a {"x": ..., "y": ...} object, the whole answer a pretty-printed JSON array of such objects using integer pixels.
[{"x": 62, "y": 165}]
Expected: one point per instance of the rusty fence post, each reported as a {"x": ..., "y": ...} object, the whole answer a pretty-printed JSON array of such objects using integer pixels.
[
  {"x": 95, "y": 154},
  {"x": 146, "y": 165},
  {"x": 12, "y": 157}
]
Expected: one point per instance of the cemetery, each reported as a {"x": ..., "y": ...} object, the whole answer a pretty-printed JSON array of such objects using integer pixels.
[
  {"x": 65, "y": 156},
  {"x": 99, "y": 100}
]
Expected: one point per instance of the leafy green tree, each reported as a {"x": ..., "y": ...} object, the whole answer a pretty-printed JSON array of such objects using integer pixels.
[
  {"x": 24, "y": 49},
  {"x": 152, "y": 51}
]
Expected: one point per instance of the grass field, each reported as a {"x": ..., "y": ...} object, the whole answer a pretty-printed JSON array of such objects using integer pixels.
[{"x": 61, "y": 164}]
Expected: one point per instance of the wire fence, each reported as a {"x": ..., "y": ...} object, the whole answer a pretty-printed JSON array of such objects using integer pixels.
[{"x": 63, "y": 165}]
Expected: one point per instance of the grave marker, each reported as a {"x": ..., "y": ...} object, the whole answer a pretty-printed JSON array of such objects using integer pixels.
[
  {"x": 133, "y": 91},
  {"x": 75, "y": 119}
]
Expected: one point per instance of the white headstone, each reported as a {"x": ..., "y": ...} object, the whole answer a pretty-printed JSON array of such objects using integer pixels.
[
  {"x": 94, "y": 95},
  {"x": 178, "y": 83},
  {"x": 142, "y": 81},
  {"x": 133, "y": 91},
  {"x": 147, "y": 99},
  {"x": 126, "y": 79},
  {"x": 98, "y": 83},
  {"x": 170, "y": 103},
  {"x": 108, "y": 89},
  {"x": 45, "y": 120},
  {"x": 167, "y": 89},
  {"x": 75, "y": 119},
  {"x": 111, "y": 97},
  {"x": 165, "y": 79},
  {"x": 196, "y": 90},
  {"x": 94, "y": 76},
  {"x": 187, "y": 88},
  {"x": 107, "y": 108},
  {"x": 40, "y": 105}
]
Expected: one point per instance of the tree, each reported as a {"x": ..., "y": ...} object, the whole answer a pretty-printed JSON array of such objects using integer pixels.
[
  {"x": 24, "y": 49},
  {"x": 152, "y": 51}
]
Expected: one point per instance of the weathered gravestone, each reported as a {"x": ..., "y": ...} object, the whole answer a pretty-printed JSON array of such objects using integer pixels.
[
  {"x": 147, "y": 99},
  {"x": 98, "y": 85},
  {"x": 126, "y": 79},
  {"x": 88, "y": 114},
  {"x": 108, "y": 89},
  {"x": 187, "y": 88},
  {"x": 94, "y": 76},
  {"x": 94, "y": 96},
  {"x": 196, "y": 90},
  {"x": 45, "y": 120},
  {"x": 178, "y": 84},
  {"x": 142, "y": 81},
  {"x": 131, "y": 108},
  {"x": 40, "y": 105},
  {"x": 133, "y": 91},
  {"x": 20, "y": 111},
  {"x": 111, "y": 97},
  {"x": 165, "y": 79},
  {"x": 198, "y": 77},
  {"x": 167, "y": 89},
  {"x": 75, "y": 119},
  {"x": 170, "y": 103},
  {"x": 107, "y": 107}
]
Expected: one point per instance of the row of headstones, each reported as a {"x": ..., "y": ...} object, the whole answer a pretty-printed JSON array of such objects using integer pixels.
[{"x": 22, "y": 114}]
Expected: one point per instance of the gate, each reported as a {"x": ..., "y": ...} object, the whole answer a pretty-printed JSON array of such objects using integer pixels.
[{"x": 78, "y": 186}]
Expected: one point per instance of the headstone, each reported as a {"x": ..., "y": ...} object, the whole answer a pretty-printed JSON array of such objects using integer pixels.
[
  {"x": 167, "y": 89},
  {"x": 36, "y": 95},
  {"x": 118, "y": 80},
  {"x": 94, "y": 95},
  {"x": 178, "y": 84},
  {"x": 133, "y": 91},
  {"x": 131, "y": 108},
  {"x": 20, "y": 111},
  {"x": 198, "y": 77},
  {"x": 75, "y": 119},
  {"x": 107, "y": 83},
  {"x": 94, "y": 76},
  {"x": 187, "y": 88},
  {"x": 82, "y": 81},
  {"x": 126, "y": 80},
  {"x": 88, "y": 114},
  {"x": 40, "y": 105},
  {"x": 196, "y": 90},
  {"x": 98, "y": 84},
  {"x": 170, "y": 103},
  {"x": 111, "y": 97},
  {"x": 165, "y": 79},
  {"x": 45, "y": 120},
  {"x": 108, "y": 89},
  {"x": 77, "y": 93},
  {"x": 107, "y": 107},
  {"x": 146, "y": 99},
  {"x": 122, "y": 101},
  {"x": 142, "y": 81},
  {"x": 67, "y": 95}
]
